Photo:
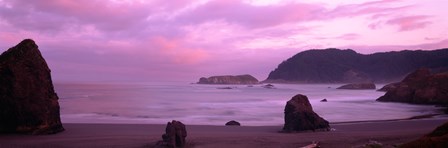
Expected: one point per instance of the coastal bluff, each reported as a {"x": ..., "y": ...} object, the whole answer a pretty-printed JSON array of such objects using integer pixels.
[
  {"x": 28, "y": 102},
  {"x": 229, "y": 79},
  {"x": 419, "y": 87},
  {"x": 347, "y": 66}
]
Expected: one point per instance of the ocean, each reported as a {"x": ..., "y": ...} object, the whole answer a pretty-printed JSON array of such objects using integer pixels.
[{"x": 199, "y": 104}]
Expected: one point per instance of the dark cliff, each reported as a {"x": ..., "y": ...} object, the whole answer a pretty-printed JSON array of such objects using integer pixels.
[
  {"x": 348, "y": 66},
  {"x": 419, "y": 87}
]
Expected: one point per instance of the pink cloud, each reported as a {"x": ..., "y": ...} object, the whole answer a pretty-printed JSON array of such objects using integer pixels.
[
  {"x": 349, "y": 36},
  {"x": 235, "y": 11},
  {"x": 375, "y": 25},
  {"x": 177, "y": 52},
  {"x": 408, "y": 23},
  {"x": 60, "y": 15},
  {"x": 102, "y": 39},
  {"x": 431, "y": 38},
  {"x": 375, "y": 8},
  {"x": 250, "y": 16},
  {"x": 159, "y": 58}
]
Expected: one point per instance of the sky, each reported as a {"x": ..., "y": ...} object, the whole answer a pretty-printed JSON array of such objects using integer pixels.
[{"x": 183, "y": 40}]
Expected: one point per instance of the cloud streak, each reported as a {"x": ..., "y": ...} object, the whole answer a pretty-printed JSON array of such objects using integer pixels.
[{"x": 408, "y": 23}]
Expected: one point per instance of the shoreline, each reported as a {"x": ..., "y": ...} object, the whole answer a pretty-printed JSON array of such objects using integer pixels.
[
  {"x": 419, "y": 117},
  {"x": 425, "y": 116},
  {"x": 388, "y": 133}
]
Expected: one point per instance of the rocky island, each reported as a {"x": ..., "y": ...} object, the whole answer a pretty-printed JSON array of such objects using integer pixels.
[
  {"x": 228, "y": 79},
  {"x": 28, "y": 102}
]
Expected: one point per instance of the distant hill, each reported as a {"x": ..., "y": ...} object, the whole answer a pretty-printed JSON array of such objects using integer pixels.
[{"x": 347, "y": 66}]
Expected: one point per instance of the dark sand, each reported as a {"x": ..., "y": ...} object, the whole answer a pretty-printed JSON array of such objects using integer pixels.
[{"x": 389, "y": 133}]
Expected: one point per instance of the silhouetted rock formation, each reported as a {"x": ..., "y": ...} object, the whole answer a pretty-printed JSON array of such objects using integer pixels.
[
  {"x": 358, "y": 86},
  {"x": 28, "y": 103},
  {"x": 389, "y": 86},
  {"x": 233, "y": 123},
  {"x": 299, "y": 116},
  {"x": 239, "y": 79},
  {"x": 437, "y": 139},
  {"x": 420, "y": 87},
  {"x": 225, "y": 87},
  {"x": 174, "y": 137},
  {"x": 268, "y": 86},
  {"x": 347, "y": 66},
  {"x": 324, "y": 100}
]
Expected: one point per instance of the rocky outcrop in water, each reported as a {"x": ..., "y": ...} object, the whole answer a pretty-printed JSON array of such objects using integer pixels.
[
  {"x": 239, "y": 79},
  {"x": 358, "y": 86},
  {"x": 233, "y": 123},
  {"x": 299, "y": 116},
  {"x": 437, "y": 139},
  {"x": 174, "y": 137},
  {"x": 268, "y": 86},
  {"x": 420, "y": 87},
  {"x": 28, "y": 103}
]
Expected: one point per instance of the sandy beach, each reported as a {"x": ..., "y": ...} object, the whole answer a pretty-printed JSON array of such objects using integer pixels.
[{"x": 389, "y": 133}]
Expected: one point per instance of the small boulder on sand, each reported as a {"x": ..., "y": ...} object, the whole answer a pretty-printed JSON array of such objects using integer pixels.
[{"x": 175, "y": 135}]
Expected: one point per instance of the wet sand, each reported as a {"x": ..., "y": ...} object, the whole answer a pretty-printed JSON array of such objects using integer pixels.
[{"x": 388, "y": 133}]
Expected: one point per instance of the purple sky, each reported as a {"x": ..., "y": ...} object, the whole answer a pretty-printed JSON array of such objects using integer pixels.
[{"x": 157, "y": 40}]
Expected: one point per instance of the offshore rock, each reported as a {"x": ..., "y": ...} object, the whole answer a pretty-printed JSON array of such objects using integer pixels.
[
  {"x": 28, "y": 103},
  {"x": 268, "y": 86},
  {"x": 239, "y": 79},
  {"x": 420, "y": 87},
  {"x": 299, "y": 116},
  {"x": 233, "y": 123},
  {"x": 358, "y": 86}
]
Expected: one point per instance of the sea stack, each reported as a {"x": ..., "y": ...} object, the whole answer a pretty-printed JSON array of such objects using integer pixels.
[
  {"x": 28, "y": 103},
  {"x": 420, "y": 87},
  {"x": 299, "y": 116}
]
